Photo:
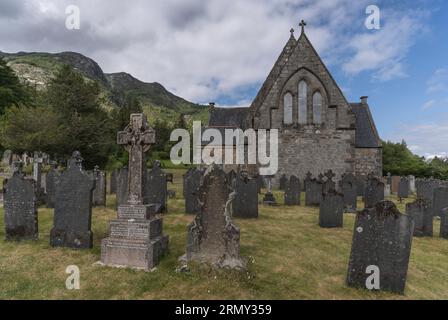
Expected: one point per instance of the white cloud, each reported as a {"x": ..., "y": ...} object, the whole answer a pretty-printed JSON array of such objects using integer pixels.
[
  {"x": 429, "y": 104},
  {"x": 438, "y": 83}
]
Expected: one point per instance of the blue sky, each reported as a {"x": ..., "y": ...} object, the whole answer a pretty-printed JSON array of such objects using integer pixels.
[{"x": 222, "y": 51}]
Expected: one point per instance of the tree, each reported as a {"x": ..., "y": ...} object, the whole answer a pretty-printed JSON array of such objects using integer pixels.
[{"x": 12, "y": 92}]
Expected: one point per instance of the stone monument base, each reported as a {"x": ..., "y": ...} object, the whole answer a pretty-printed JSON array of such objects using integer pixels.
[{"x": 70, "y": 239}]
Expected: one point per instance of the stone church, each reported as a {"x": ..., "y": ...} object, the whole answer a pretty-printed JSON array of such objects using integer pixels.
[{"x": 318, "y": 128}]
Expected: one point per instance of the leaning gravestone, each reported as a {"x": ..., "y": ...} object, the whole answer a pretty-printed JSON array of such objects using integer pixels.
[
  {"x": 136, "y": 238},
  {"x": 440, "y": 200},
  {"x": 192, "y": 181},
  {"x": 51, "y": 179},
  {"x": 381, "y": 248},
  {"x": 421, "y": 212},
  {"x": 156, "y": 188},
  {"x": 403, "y": 188},
  {"x": 349, "y": 190},
  {"x": 245, "y": 204},
  {"x": 213, "y": 238},
  {"x": 292, "y": 192},
  {"x": 283, "y": 181},
  {"x": 73, "y": 207},
  {"x": 113, "y": 182},
  {"x": 444, "y": 224},
  {"x": 20, "y": 207},
  {"x": 331, "y": 210},
  {"x": 374, "y": 192},
  {"x": 99, "y": 193},
  {"x": 122, "y": 186}
]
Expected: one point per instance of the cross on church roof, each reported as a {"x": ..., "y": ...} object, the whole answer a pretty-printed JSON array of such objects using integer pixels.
[{"x": 302, "y": 24}]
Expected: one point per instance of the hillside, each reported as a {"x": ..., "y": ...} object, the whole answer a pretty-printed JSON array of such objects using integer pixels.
[{"x": 37, "y": 68}]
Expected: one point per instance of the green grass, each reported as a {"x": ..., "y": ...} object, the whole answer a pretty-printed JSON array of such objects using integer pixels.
[{"x": 289, "y": 256}]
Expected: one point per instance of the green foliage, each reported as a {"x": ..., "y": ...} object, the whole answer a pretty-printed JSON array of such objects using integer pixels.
[{"x": 12, "y": 93}]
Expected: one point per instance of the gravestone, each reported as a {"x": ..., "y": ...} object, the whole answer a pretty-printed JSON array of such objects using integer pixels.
[
  {"x": 387, "y": 192},
  {"x": 136, "y": 238},
  {"x": 331, "y": 210},
  {"x": 382, "y": 241},
  {"x": 213, "y": 238},
  {"x": 37, "y": 176},
  {"x": 192, "y": 182},
  {"x": 231, "y": 175},
  {"x": 425, "y": 189},
  {"x": 99, "y": 193},
  {"x": 156, "y": 188},
  {"x": 292, "y": 192},
  {"x": 313, "y": 194},
  {"x": 73, "y": 207},
  {"x": 361, "y": 182},
  {"x": 51, "y": 179},
  {"x": 20, "y": 207},
  {"x": 7, "y": 158},
  {"x": 122, "y": 186},
  {"x": 308, "y": 183},
  {"x": 245, "y": 204},
  {"x": 440, "y": 200},
  {"x": 113, "y": 182},
  {"x": 329, "y": 184},
  {"x": 389, "y": 179},
  {"x": 260, "y": 183},
  {"x": 412, "y": 187},
  {"x": 444, "y": 224},
  {"x": 269, "y": 198},
  {"x": 421, "y": 212},
  {"x": 283, "y": 180},
  {"x": 349, "y": 190},
  {"x": 374, "y": 192},
  {"x": 395, "y": 183},
  {"x": 403, "y": 188}
]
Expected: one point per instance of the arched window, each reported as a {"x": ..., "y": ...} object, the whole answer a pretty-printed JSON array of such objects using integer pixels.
[
  {"x": 287, "y": 108},
  {"x": 303, "y": 87},
  {"x": 317, "y": 108}
]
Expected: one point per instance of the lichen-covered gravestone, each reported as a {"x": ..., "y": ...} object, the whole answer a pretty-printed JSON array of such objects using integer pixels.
[
  {"x": 440, "y": 200},
  {"x": 403, "y": 188},
  {"x": 381, "y": 247},
  {"x": 292, "y": 192},
  {"x": 374, "y": 192},
  {"x": 213, "y": 238},
  {"x": 156, "y": 189},
  {"x": 192, "y": 181},
  {"x": 113, "y": 182},
  {"x": 421, "y": 212},
  {"x": 331, "y": 213},
  {"x": 50, "y": 180},
  {"x": 99, "y": 193},
  {"x": 122, "y": 186},
  {"x": 72, "y": 226},
  {"x": 348, "y": 188},
  {"x": 136, "y": 238},
  {"x": 245, "y": 204},
  {"x": 20, "y": 207}
]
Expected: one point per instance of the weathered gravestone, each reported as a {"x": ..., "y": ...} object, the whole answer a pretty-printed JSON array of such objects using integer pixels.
[
  {"x": 245, "y": 204},
  {"x": 403, "y": 188},
  {"x": 156, "y": 188},
  {"x": 395, "y": 183},
  {"x": 122, "y": 186},
  {"x": 349, "y": 190},
  {"x": 73, "y": 207},
  {"x": 292, "y": 192},
  {"x": 440, "y": 200},
  {"x": 269, "y": 198},
  {"x": 329, "y": 184},
  {"x": 51, "y": 179},
  {"x": 7, "y": 158},
  {"x": 412, "y": 187},
  {"x": 99, "y": 193},
  {"x": 425, "y": 189},
  {"x": 20, "y": 207},
  {"x": 260, "y": 182},
  {"x": 361, "y": 182},
  {"x": 283, "y": 181},
  {"x": 331, "y": 210},
  {"x": 313, "y": 191},
  {"x": 444, "y": 224},
  {"x": 381, "y": 248},
  {"x": 387, "y": 191},
  {"x": 421, "y": 212},
  {"x": 213, "y": 238},
  {"x": 113, "y": 182},
  {"x": 37, "y": 176},
  {"x": 389, "y": 179},
  {"x": 136, "y": 238},
  {"x": 192, "y": 181},
  {"x": 374, "y": 192}
]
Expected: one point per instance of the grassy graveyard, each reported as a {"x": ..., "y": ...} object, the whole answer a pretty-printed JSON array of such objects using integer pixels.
[{"x": 289, "y": 257}]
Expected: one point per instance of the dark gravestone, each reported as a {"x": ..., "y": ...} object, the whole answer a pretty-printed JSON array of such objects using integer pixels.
[
  {"x": 283, "y": 181},
  {"x": 421, "y": 212},
  {"x": 331, "y": 210},
  {"x": 425, "y": 189},
  {"x": 99, "y": 193},
  {"x": 382, "y": 240},
  {"x": 314, "y": 190},
  {"x": 231, "y": 175},
  {"x": 349, "y": 190},
  {"x": 73, "y": 207},
  {"x": 440, "y": 200},
  {"x": 269, "y": 198},
  {"x": 136, "y": 238},
  {"x": 374, "y": 192},
  {"x": 20, "y": 207},
  {"x": 361, "y": 182},
  {"x": 292, "y": 192},
  {"x": 329, "y": 184},
  {"x": 156, "y": 188},
  {"x": 245, "y": 204},
  {"x": 113, "y": 182},
  {"x": 213, "y": 239},
  {"x": 192, "y": 181},
  {"x": 403, "y": 188},
  {"x": 444, "y": 224},
  {"x": 51, "y": 179},
  {"x": 260, "y": 183},
  {"x": 122, "y": 186}
]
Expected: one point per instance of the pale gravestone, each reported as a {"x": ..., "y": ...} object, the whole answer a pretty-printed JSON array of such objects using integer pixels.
[
  {"x": 440, "y": 200},
  {"x": 381, "y": 247},
  {"x": 51, "y": 179},
  {"x": 192, "y": 181},
  {"x": 37, "y": 176},
  {"x": 412, "y": 186},
  {"x": 292, "y": 191},
  {"x": 245, "y": 204},
  {"x": 136, "y": 238},
  {"x": 349, "y": 190},
  {"x": 331, "y": 210},
  {"x": 421, "y": 212},
  {"x": 156, "y": 189},
  {"x": 122, "y": 186},
  {"x": 72, "y": 226},
  {"x": 387, "y": 191},
  {"x": 113, "y": 182},
  {"x": 374, "y": 192},
  {"x": 403, "y": 188},
  {"x": 7, "y": 158},
  {"x": 213, "y": 238},
  {"x": 20, "y": 207},
  {"x": 99, "y": 193},
  {"x": 283, "y": 180}
]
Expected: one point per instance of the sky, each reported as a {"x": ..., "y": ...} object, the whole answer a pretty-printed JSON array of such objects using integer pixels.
[{"x": 222, "y": 51}]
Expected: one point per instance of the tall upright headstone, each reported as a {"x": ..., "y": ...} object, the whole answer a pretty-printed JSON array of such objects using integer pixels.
[
  {"x": 412, "y": 186},
  {"x": 331, "y": 213},
  {"x": 20, "y": 207},
  {"x": 403, "y": 188},
  {"x": 136, "y": 238},
  {"x": 213, "y": 238},
  {"x": 395, "y": 183},
  {"x": 349, "y": 190},
  {"x": 374, "y": 192},
  {"x": 72, "y": 225},
  {"x": 421, "y": 212},
  {"x": 192, "y": 182},
  {"x": 440, "y": 200},
  {"x": 113, "y": 182},
  {"x": 283, "y": 181},
  {"x": 99, "y": 193},
  {"x": 292, "y": 191},
  {"x": 381, "y": 248},
  {"x": 51, "y": 180},
  {"x": 245, "y": 204},
  {"x": 156, "y": 189}
]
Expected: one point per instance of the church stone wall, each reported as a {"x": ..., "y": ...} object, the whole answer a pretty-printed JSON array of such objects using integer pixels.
[{"x": 369, "y": 160}]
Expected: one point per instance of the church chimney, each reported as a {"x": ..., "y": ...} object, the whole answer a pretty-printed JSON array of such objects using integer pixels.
[{"x": 364, "y": 99}]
